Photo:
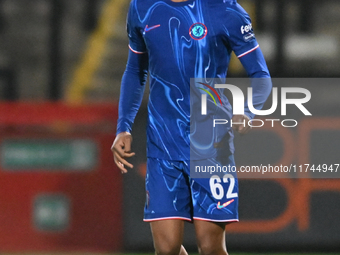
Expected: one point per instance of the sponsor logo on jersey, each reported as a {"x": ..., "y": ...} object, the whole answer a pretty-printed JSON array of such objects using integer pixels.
[
  {"x": 249, "y": 37},
  {"x": 246, "y": 29},
  {"x": 198, "y": 31},
  {"x": 219, "y": 206}
]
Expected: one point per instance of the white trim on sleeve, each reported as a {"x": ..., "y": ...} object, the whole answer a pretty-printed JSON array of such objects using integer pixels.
[
  {"x": 247, "y": 52},
  {"x": 134, "y": 51}
]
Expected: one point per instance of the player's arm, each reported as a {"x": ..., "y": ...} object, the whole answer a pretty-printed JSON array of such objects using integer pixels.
[
  {"x": 131, "y": 95},
  {"x": 242, "y": 40},
  {"x": 256, "y": 68},
  {"x": 131, "y": 92}
]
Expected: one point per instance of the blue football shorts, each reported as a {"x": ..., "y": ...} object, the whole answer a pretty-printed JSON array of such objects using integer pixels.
[{"x": 172, "y": 194}]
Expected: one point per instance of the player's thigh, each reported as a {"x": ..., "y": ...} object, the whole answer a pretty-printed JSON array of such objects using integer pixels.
[
  {"x": 215, "y": 197},
  {"x": 168, "y": 192},
  {"x": 210, "y": 237},
  {"x": 167, "y": 236}
]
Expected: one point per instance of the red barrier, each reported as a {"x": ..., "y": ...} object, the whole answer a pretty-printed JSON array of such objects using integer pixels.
[{"x": 59, "y": 190}]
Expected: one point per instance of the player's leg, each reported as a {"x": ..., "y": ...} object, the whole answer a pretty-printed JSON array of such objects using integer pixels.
[
  {"x": 168, "y": 204},
  {"x": 168, "y": 236},
  {"x": 210, "y": 238},
  {"x": 215, "y": 200}
]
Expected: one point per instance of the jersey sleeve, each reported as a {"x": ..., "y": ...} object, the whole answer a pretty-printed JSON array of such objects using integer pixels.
[
  {"x": 256, "y": 67},
  {"x": 131, "y": 91},
  {"x": 134, "y": 77},
  {"x": 238, "y": 30},
  {"x": 134, "y": 30},
  {"x": 241, "y": 39}
]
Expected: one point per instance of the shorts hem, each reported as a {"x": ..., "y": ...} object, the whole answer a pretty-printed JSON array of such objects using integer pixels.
[
  {"x": 216, "y": 220},
  {"x": 167, "y": 218}
]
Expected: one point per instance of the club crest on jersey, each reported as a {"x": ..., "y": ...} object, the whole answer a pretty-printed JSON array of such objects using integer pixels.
[{"x": 198, "y": 31}]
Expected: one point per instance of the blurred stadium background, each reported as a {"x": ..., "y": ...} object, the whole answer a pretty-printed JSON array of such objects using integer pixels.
[{"x": 60, "y": 68}]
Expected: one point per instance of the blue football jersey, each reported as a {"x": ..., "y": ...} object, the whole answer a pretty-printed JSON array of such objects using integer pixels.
[{"x": 183, "y": 40}]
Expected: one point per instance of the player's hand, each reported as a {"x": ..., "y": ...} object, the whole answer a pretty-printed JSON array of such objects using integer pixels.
[
  {"x": 121, "y": 149},
  {"x": 242, "y": 129}
]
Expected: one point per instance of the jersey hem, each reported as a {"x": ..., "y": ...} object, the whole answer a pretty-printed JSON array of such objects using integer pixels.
[{"x": 165, "y": 156}]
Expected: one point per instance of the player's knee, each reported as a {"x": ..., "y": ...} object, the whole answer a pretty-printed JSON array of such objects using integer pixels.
[
  {"x": 210, "y": 249},
  {"x": 168, "y": 248}
]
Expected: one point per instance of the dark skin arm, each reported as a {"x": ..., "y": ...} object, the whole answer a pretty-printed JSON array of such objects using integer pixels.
[
  {"x": 240, "y": 127},
  {"x": 121, "y": 149}
]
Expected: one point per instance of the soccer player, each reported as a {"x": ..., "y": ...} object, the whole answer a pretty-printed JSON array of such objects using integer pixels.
[{"x": 173, "y": 41}]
